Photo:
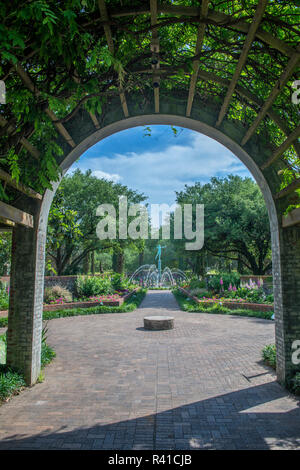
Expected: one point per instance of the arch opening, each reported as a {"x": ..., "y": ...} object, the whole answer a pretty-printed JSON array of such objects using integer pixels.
[{"x": 38, "y": 241}]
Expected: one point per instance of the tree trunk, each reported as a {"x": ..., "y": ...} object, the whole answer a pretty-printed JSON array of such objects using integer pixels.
[
  {"x": 93, "y": 263},
  {"x": 114, "y": 261},
  {"x": 120, "y": 263},
  {"x": 86, "y": 263},
  {"x": 199, "y": 265},
  {"x": 141, "y": 258}
]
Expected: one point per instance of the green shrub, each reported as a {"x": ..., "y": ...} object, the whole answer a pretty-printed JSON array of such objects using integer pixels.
[
  {"x": 11, "y": 382},
  {"x": 214, "y": 282},
  {"x": 195, "y": 283},
  {"x": 254, "y": 295},
  {"x": 269, "y": 298},
  {"x": 47, "y": 353},
  {"x": 269, "y": 355},
  {"x": 2, "y": 349},
  {"x": 4, "y": 297},
  {"x": 87, "y": 286},
  {"x": 119, "y": 282},
  {"x": 3, "y": 322},
  {"x": 54, "y": 293},
  {"x": 295, "y": 383},
  {"x": 200, "y": 293}
]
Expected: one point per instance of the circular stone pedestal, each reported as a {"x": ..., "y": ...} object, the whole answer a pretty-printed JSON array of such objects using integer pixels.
[{"x": 159, "y": 323}]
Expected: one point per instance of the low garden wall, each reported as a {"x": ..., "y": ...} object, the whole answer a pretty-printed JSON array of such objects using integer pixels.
[
  {"x": 267, "y": 281},
  {"x": 228, "y": 304}
]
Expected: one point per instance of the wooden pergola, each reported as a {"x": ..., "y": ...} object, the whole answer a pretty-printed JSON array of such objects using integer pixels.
[{"x": 204, "y": 15}]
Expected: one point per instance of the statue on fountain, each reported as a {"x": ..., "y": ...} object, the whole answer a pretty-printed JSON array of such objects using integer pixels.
[
  {"x": 158, "y": 257},
  {"x": 149, "y": 275}
]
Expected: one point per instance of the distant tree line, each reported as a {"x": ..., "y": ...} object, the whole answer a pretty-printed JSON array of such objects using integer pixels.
[{"x": 237, "y": 232}]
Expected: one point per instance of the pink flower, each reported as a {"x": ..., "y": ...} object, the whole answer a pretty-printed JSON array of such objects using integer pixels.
[
  {"x": 230, "y": 287},
  {"x": 221, "y": 281}
]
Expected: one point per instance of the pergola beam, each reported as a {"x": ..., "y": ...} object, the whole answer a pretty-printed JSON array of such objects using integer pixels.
[
  {"x": 4, "y": 221},
  {"x": 217, "y": 18},
  {"x": 282, "y": 148},
  {"x": 243, "y": 92},
  {"x": 30, "y": 85},
  {"x": 31, "y": 149},
  {"x": 288, "y": 189},
  {"x": 19, "y": 186},
  {"x": 109, "y": 39},
  {"x": 194, "y": 76},
  {"x": 243, "y": 58},
  {"x": 6, "y": 225},
  {"x": 155, "y": 52},
  {"x": 92, "y": 115},
  {"x": 281, "y": 82},
  {"x": 15, "y": 215},
  {"x": 94, "y": 120},
  {"x": 292, "y": 218}
]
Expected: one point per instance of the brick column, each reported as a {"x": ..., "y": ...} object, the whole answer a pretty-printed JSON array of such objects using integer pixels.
[
  {"x": 286, "y": 271},
  {"x": 26, "y": 301}
]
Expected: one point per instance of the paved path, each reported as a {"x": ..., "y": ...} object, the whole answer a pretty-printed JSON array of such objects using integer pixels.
[{"x": 114, "y": 385}]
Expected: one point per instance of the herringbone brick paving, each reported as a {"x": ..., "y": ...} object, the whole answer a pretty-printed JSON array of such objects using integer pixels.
[{"x": 115, "y": 385}]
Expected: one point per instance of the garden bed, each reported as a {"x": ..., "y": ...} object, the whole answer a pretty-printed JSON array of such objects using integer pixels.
[
  {"x": 188, "y": 304},
  {"x": 129, "y": 305},
  {"x": 89, "y": 303},
  {"x": 230, "y": 304},
  {"x": 82, "y": 304}
]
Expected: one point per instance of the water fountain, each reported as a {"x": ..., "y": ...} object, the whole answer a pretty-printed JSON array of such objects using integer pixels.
[{"x": 150, "y": 275}]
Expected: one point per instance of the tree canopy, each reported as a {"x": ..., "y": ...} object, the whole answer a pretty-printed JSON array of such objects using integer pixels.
[
  {"x": 60, "y": 58},
  {"x": 73, "y": 220},
  {"x": 236, "y": 221}
]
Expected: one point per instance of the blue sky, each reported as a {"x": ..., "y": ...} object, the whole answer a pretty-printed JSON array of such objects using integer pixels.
[{"x": 160, "y": 164}]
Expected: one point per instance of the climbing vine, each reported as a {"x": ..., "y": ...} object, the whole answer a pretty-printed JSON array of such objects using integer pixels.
[{"x": 64, "y": 52}]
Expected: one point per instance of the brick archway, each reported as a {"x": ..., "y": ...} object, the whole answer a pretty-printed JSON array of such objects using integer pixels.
[{"x": 26, "y": 301}]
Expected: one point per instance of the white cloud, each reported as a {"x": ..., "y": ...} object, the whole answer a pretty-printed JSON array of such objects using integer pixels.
[
  {"x": 108, "y": 176},
  {"x": 158, "y": 174}
]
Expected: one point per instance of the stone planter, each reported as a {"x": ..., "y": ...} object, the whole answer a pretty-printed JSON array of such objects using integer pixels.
[{"x": 159, "y": 323}]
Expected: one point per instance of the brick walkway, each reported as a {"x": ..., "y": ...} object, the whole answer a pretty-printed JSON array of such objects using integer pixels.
[{"x": 114, "y": 385}]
